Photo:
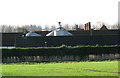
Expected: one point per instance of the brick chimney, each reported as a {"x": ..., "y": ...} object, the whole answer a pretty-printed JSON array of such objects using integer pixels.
[{"x": 87, "y": 26}]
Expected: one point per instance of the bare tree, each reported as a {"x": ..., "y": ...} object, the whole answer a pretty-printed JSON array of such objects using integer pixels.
[
  {"x": 115, "y": 26},
  {"x": 66, "y": 27},
  {"x": 2, "y": 28},
  {"x": 39, "y": 27},
  {"x": 46, "y": 27},
  {"x": 81, "y": 26},
  {"x": 53, "y": 27}
]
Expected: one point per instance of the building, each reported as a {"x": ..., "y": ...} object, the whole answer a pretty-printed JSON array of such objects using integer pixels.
[
  {"x": 59, "y": 32},
  {"x": 103, "y": 28},
  {"x": 61, "y": 36},
  {"x": 31, "y": 33}
]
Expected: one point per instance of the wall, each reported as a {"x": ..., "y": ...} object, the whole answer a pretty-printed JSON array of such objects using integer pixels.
[
  {"x": 69, "y": 41},
  {"x": 9, "y": 39}
]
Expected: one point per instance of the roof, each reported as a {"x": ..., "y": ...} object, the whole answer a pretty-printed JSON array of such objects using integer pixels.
[
  {"x": 103, "y": 28},
  {"x": 59, "y": 32},
  {"x": 31, "y": 33}
]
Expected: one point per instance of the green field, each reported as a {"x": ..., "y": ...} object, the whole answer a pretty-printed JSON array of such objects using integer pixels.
[{"x": 105, "y": 68}]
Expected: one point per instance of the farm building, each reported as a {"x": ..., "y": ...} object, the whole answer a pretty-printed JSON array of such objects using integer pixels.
[
  {"x": 31, "y": 33},
  {"x": 61, "y": 36},
  {"x": 59, "y": 32}
]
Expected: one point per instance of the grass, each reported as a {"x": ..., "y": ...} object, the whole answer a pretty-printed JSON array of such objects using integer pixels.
[{"x": 104, "y": 68}]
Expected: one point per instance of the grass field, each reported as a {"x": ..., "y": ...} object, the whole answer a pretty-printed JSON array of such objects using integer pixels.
[{"x": 105, "y": 68}]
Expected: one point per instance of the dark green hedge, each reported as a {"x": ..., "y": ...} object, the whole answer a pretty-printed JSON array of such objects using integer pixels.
[{"x": 60, "y": 51}]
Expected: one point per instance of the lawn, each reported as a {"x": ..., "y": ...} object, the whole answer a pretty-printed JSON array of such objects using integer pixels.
[{"x": 104, "y": 68}]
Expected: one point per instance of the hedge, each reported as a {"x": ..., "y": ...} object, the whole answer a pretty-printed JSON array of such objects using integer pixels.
[{"x": 61, "y": 51}]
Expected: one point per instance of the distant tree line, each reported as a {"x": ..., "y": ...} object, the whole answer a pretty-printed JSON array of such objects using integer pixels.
[
  {"x": 26, "y": 28},
  {"x": 23, "y": 28}
]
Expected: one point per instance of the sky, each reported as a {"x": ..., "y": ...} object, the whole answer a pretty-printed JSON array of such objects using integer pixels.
[{"x": 50, "y": 12}]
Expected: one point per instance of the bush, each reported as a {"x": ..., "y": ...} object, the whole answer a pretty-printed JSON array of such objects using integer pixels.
[{"x": 60, "y": 51}]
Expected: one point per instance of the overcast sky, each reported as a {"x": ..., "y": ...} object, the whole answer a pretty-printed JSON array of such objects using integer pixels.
[{"x": 42, "y": 12}]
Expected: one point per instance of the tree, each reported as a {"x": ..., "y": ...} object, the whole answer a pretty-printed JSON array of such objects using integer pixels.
[
  {"x": 53, "y": 27},
  {"x": 66, "y": 27},
  {"x": 115, "y": 26}
]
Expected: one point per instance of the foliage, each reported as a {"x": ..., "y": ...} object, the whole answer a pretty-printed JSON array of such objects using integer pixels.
[{"x": 61, "y": 51}]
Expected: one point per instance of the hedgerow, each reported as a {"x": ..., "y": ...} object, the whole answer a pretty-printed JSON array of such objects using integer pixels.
[{"x": 61, "y": 51}]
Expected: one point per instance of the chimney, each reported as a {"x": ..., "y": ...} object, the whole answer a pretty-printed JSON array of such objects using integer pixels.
[
  {"x": 85, "y": 27},
  {"x": 89, "y": 25}
]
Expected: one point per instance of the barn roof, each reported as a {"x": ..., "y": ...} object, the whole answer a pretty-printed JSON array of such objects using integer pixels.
[
  {"x": 59, "y": 32},
  {"x": 31, "y": 33}
]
